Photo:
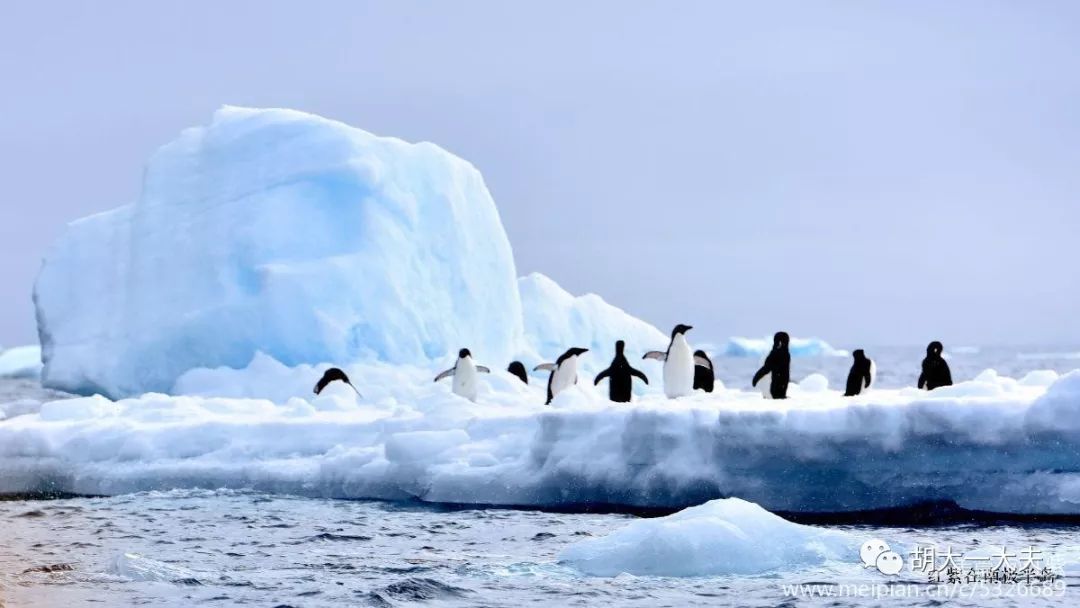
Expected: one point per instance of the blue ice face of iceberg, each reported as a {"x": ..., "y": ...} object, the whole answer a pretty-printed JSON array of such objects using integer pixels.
[{"x": 285, "y": 233}]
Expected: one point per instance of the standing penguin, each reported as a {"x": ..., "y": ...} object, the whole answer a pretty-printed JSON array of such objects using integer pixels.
[
  {"x": 935, "y": 371},
  {"x": 777, "y": 368},
  {"x": 861, "y": 374},
  {"x": 678, "y": 363},
  {"x": 704, "y": 378},
  {"x": 466, "y": 384},
  {"x": 563, "y": 372},
  {"x": 518, "y": 369},
  {"x": 620, "y": 376},
  {"x": 333, "y": 374}
]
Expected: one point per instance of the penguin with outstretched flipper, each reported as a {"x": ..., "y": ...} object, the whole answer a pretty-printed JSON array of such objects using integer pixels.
[{"x": 620, "y": 376}]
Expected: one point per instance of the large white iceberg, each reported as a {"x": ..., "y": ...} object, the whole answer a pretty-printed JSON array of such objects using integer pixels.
[
  {"x": 286, "y": 233},
  {"x": 283, "y": 233},
  {"x": 728, "y": 536}
]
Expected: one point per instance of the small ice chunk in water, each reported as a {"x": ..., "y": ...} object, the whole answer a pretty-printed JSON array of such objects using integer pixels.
[{"x": 726, "y": 536}]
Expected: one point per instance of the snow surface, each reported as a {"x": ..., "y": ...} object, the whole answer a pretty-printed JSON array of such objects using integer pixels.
[
  {"x": 21, "y": 362},
  {"x": 729, "y": 536},
  {"x": 994, "y": 443},
  {"x": 798, "y": 347}
]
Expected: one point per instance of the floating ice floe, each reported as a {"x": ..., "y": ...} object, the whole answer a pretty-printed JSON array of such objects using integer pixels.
[
  {"x": 727, "y": 536},
  {"x": 993, "y": 444},
  {"x": 20, "y": 362}
]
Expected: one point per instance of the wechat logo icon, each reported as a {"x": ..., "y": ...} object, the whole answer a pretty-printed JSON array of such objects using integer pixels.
[{"x": 875, "y": 553}]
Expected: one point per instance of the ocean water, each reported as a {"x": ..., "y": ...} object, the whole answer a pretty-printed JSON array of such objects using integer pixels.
[{"x": 226, "y": 548}]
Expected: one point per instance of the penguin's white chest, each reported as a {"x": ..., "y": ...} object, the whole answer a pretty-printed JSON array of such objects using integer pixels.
[
  {"x": 565, "y": 375},
  {"x": 465, "y": 379},
  {"x": 679, "y": 369},
  {"x": 765, "y": 386}
]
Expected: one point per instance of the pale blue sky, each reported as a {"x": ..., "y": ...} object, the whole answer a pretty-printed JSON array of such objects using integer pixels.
[{"x": 867, "y": 172}]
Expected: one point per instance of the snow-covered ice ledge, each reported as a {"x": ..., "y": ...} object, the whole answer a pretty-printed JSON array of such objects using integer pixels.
[{"x": 994, "y": 444}]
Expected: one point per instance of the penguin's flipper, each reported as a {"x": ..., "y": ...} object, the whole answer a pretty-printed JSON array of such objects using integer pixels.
[
  {"x": 483, "y": 369},
  {"x": 547, "y": 367},
  {"x": 703, "y": 362},
  {"x": 446, "y": 374},
  {"x": 639, "y": 374},
  {"x": 871, "y": 374},
  {"x": 601, "y": 376},
  {"x": 355, "y": 389},
  {"x": 656, "y": 354}
]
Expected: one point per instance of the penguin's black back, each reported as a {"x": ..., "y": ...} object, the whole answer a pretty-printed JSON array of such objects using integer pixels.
[
  {"x": 332, "y": 375},
  {"x": 936, "y": 372},
  {"x": 620, "y": 380},
  {"x": 856, "y": 380},
  {"x": 518, "y": 369},
  {"x": 704, "y": 377}
]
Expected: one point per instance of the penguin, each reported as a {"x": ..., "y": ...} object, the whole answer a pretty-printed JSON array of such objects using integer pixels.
[
  {"x": 776, "y": 369},
  {"x": 678, "y": 363},
  {"x": 861, "y": 374},
  {"x": 563, "y": 372},
  {"x": 704, "y": 378},
  {"x": 333, "y": 374},
  {"x": 620, "y": 376},
  {"x": 518, "y": 369},
  {"x": 935, "y": 371},
  {"x": 464, "y": 372}
]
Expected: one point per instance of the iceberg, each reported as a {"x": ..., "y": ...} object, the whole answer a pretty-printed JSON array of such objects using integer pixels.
[
  {"x": 280, "y": 232},
  {"x": 306, "y": 240},
  {"x": 555, "y": 320},
  {"x": 21, "y": 362},
  {"x": 798, "y": 347},
  {"x": 990, "y": 444},
  {"x": 728, "y": 536}
]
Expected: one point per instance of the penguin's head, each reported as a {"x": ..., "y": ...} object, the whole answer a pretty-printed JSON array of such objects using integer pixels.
[
  {"x": 780, "y": 340},
  {"x": 575, "y": 351},
  {"x": 464, "y": 353},
  {"x": 858, "y": 354},
  {"x": 619, "y": 346},
  {"x": 934, "y": 348},
  {"x": 680, "y": 329}
]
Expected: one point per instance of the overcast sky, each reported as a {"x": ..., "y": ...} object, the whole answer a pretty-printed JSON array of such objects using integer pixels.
[{"x": 867, "y": 172}]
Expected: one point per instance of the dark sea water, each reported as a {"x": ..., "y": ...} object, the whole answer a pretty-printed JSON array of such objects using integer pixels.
[
  {"x": 226, "y": 548},
  {"x": 202, "y": 548}
]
